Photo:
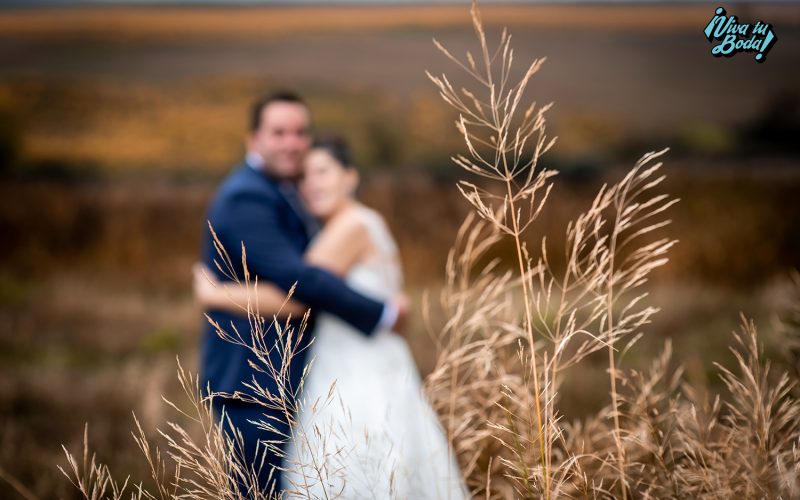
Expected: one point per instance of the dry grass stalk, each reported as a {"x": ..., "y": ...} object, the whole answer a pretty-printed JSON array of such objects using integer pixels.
[
  {"x": 205, "y": 460},
  {"x": 491, "y": 125},
  {"x": 578, "y": 306}
]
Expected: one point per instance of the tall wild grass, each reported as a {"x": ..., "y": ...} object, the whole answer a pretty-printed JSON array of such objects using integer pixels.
[{"x": 512, "y": 334}]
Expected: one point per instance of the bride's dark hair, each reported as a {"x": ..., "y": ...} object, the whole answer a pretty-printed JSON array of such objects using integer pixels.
[{"x": 337, "y": 147}]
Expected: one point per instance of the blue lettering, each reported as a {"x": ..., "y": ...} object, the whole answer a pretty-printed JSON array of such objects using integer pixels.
[
  {"x": 732, "y": 36},
  {"x": 725, "y": 48}
]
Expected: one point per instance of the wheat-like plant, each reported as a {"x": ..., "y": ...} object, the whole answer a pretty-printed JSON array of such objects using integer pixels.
[
  {"x": 574, "y": 311},
  {"x": 207, "y": 459}
]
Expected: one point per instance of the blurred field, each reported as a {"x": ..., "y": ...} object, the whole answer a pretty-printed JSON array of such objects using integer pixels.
[
  {"x": 117, "y": 123},
  {"x": 280, "y": 21},
  {"x": 133, "y": 89}
]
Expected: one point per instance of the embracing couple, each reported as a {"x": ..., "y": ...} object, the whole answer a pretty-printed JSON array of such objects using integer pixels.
[{"x": 291, "y": 205}]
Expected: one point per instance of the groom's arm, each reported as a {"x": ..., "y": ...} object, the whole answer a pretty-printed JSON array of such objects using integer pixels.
[{"x": 273, "y": 257}]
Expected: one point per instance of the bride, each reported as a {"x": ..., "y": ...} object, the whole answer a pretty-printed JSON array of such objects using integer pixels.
[{"x": 365, "y": 429}]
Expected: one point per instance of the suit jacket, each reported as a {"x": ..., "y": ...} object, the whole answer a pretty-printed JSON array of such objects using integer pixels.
[{"x": 250, "y": 209}]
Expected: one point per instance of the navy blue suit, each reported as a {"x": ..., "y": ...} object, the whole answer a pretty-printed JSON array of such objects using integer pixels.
[{"x": 250, "y": 208}]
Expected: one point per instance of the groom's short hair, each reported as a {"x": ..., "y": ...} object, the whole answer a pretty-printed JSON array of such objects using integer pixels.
[{"x": 257, "y": 109}]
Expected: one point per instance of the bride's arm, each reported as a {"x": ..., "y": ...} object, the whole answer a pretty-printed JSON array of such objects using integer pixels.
[
  {"x": 344, "y": 241},
  {"x": 266, "y": 299}
]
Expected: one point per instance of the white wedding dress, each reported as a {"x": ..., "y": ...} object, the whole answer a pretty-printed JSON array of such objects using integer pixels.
[{"x": 366, "y": 429}]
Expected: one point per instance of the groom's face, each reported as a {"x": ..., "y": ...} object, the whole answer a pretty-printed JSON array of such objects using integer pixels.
[{"x": 283, "y": 138}]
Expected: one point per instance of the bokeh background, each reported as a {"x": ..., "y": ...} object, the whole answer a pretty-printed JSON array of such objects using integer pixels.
[{"x": 118, "y": 122}]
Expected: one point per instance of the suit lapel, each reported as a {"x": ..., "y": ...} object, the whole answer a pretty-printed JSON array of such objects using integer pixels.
[
  {"x": 289, "y": 193},
  {"x": 294, "y": 214}
]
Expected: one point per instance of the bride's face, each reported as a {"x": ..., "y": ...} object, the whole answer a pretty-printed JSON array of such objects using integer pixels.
[{"x": 326, "y": 184}]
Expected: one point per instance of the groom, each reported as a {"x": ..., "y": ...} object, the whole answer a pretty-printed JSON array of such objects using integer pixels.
[{"x": 258, "y": 206}]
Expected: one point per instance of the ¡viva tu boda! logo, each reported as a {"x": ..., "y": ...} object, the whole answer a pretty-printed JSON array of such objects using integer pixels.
[{"x": 736, "y": 37}]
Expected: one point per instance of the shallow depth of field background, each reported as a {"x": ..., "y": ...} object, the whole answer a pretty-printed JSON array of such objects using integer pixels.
[{"x": 116, "y": 124}]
